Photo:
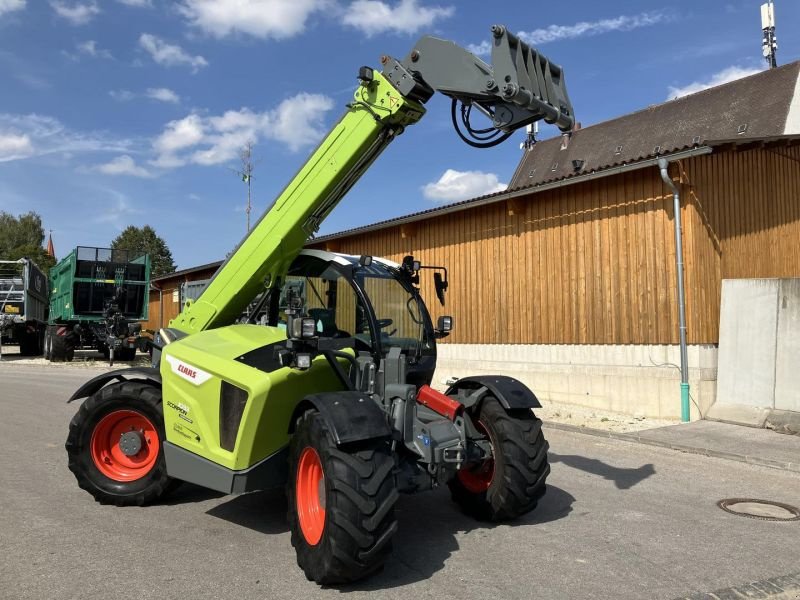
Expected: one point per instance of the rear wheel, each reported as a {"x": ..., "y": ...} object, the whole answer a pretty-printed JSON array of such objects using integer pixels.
[
  {"x": 512, "y": 482},
  {"x": 125, "y": 354},
  {"x": 58, "y": 343},
  {"x": 341, "y": 503},
  {"x": 48, "y": 343},
  {"x": 115, "y": 445},
  {"x": 29, "y": 343}
]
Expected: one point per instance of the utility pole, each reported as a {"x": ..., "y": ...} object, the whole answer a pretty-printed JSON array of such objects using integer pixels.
[
  {"x": 246, "y": 156},
  {"x": 769, "y": 43}
]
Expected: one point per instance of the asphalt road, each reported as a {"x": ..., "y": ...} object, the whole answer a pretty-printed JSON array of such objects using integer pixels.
[{"x": 620, "y": 520}]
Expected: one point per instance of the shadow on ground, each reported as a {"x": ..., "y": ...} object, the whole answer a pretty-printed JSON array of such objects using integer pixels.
[
  {"x": 426, "y": 537},
  {"x": 623, "y": 478}
]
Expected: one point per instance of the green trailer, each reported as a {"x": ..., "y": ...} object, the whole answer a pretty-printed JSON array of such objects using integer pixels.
[{"x": 98, "y": 296}]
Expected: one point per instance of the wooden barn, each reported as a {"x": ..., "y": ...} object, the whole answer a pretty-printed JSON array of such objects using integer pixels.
[{"x": 567, "y": 280}]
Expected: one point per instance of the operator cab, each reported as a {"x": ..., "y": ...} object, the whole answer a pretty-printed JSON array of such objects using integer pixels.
[{"x": 375, "y": 304}]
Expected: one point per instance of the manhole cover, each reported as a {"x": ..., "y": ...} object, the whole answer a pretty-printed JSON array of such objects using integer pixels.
[{"x": 766, "y": 510}]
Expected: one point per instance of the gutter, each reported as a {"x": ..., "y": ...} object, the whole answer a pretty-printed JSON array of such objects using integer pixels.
[
  {"x": 634, "y": 166},
  {"x": 663, "y": 165}
]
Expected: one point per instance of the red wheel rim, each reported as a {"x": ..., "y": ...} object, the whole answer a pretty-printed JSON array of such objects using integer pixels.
[
  {"x": 107, "y": 455},
  {"x": 477, "y": 478},
  {"x": 310, "y": 495}
]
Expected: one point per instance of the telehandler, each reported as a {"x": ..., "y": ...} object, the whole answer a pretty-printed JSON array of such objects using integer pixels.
[{"x": 312, "y": 370}]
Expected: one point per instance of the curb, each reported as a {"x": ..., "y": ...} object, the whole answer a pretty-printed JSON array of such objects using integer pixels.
[{"x": 635, "y": 437}]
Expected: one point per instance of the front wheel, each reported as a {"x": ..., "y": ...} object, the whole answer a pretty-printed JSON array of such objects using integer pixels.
[
  {"x": 115, "y": 445},
  {"x": 341, "y": 503},
  {"x": 512, "y": 481}
]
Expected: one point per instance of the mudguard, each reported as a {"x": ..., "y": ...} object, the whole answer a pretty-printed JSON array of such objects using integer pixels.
[
  {"x": 511, "y": 393},
  {"x": 350, "y": 416},
  {"x": 132, "y": 373}
]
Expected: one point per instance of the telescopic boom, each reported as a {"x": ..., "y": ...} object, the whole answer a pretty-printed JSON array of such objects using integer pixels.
[{"x": 519, "y": 87}]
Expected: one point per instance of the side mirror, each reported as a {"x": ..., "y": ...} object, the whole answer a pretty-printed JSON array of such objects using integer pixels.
[
  {"x": 444, "y": 326},
  {"x": 441, "y": 286}
]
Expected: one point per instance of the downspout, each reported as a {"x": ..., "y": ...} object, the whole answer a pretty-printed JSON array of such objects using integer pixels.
[{"x": 663, "y": 165}]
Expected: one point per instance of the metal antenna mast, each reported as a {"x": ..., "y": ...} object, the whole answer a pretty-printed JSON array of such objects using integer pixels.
[
  {"x": 246, "y": 156},
  {"x": 769, "y": 43}
]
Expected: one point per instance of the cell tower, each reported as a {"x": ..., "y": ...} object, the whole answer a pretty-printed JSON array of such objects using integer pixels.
[{"x": 769, "y": 43}]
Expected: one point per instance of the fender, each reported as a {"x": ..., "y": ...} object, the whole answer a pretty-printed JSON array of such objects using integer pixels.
[
  {"x": 511, "y": 393},
  {"x": 89, "y": 388},
  {"x": 350, "y": 416}
]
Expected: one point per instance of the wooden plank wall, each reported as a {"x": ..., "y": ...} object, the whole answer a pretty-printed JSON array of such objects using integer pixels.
[
  {"x": 588, "y": 263},
  {"x": 594, "y": 263}
]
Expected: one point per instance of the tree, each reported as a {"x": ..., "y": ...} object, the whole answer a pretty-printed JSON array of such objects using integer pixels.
[
  {"x": 23, "y": 236},
  {"x": 145, "y": 239}
]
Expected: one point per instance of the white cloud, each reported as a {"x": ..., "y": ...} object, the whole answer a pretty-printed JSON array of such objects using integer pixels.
[
  {"x": 170, "y": 55},
  {"x": 122, "y": 95},
  {"x": 14, "y": 146},
  {"x": 90, "y": 48},
  {"x": 136, "y": 2},
  {"x": 407, "y": 16},
  {"x": 7, "y": 6},
  {"x": 77, "y": 13},
  {"x": 33, "y": 135},
  {"x": 724, "y": 76},
  {"x": 277, "y": 19},
  {"x": 180, "y": 134},
  {"x": 296, "y": 122},
  {"x": 163, "y": 95},
  {"x": 480, "y": 49},
  {"x": 120, "y": 213},
  {"x": 123, "y": 165},
  {"x": 554, "y": 33},
  {"x": 461, "y": 185}
]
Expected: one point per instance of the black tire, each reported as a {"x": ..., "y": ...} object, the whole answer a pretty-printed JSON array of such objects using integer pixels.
[
  {"x": 58, "y": 345},
  {"x": 71, "y": 340},
  {"x": 125, "y": 354},
  {"x": 520, "y": 466},
  {"x": 140, "y": 398},
  {"x": 29, "y": 344},
  {"x": 360, "y": 495},
  {"x": 48, "y": 343}
]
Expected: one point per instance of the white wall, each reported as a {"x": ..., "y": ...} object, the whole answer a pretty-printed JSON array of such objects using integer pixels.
[{"x": 631, "y": 379}]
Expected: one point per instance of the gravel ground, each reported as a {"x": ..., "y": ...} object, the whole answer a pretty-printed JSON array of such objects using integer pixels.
[{"x": 84, "y": 359}]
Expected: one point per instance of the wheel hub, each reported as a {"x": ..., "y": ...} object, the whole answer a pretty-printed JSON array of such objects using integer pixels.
[
  {"x": 130, "y": 443},
  {"x": 310, "y": 495},
  {"x": 124, "y": 445}
]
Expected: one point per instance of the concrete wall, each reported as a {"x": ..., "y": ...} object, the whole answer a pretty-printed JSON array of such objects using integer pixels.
[
  {"x": 632, "y": 379},
  {"x": 759, "y": 350}
]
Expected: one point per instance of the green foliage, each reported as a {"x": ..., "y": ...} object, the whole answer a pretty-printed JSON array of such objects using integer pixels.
[
  {"x": 145, "y": 239},
  {"x": 23, "y": 236}
]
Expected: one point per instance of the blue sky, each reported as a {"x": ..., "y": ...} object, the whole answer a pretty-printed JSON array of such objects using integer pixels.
[{"x": 132, "y": 111}]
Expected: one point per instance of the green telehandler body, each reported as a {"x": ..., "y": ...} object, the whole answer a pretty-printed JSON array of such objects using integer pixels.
[{"x": 312, "y": 370}]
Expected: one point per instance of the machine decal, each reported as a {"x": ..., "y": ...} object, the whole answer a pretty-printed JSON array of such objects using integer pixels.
[{"x": 188, "y": 372}]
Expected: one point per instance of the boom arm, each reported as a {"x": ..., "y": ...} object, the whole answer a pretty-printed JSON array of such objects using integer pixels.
[{"x": 520, "y": 87}]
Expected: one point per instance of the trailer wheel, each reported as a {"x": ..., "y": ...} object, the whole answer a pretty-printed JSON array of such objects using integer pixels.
[
  {"x": 125, "y": 354},
  {"x": 115, "y": 445},
  {"x": 512, "y": 482},
  {"x": 341, "y": 503},
  {"x": 29, "y": 343},
  {"x": 58, "y": 346},
  {"x": 48, "y": 343}
]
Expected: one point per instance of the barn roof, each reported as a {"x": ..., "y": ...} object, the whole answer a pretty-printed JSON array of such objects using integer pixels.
[{"x": 763, "y": 105}]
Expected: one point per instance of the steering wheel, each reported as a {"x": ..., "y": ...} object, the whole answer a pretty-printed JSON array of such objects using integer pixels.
[{"x": 384, "y": 323}]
